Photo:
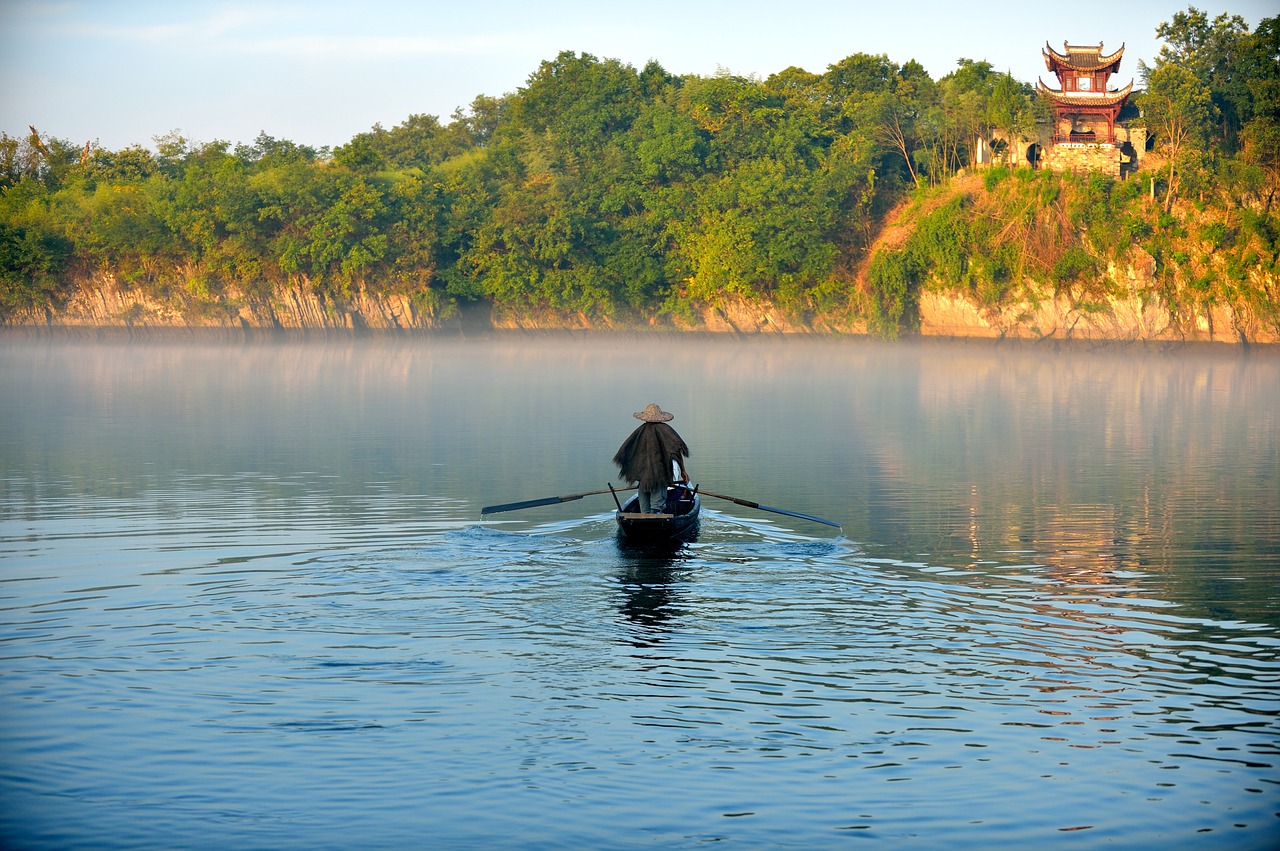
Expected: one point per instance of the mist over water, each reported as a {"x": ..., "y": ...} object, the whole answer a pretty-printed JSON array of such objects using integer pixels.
[{"x": 247, "y": 597}]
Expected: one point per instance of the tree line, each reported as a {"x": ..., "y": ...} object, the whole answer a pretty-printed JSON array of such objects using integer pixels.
[{"x": 596, "y": 188}]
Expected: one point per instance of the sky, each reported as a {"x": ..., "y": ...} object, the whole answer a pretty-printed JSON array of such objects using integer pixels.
[{"x": 317, "y": 72}]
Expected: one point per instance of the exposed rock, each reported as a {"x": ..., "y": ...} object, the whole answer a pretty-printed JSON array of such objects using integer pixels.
[
  {"x": 104, "y": 303},
  {"x": 1140, "y": 316}
]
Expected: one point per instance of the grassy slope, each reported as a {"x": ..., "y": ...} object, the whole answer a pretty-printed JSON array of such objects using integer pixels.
[{"x": 1005, "y": 238}]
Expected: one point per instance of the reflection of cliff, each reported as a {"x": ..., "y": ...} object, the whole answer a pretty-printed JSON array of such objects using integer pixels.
[{"x": 1082, "y": 466}]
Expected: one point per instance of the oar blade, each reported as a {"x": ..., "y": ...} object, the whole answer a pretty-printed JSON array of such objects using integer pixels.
[
  {"x": 534, "y": 503},
  {"x": 801, "y": 516},
  {"x": 516, "y": 506},
  {"x": 749, "y": 504}
]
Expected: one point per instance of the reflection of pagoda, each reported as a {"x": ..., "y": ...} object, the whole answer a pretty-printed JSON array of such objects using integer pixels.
[{"x": 1084, "y": 111}]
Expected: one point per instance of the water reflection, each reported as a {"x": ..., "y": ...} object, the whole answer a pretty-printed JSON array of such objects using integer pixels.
[
  {"x": 649, "y": 578},
  {"x": 251, "y": 589},
  {"x": 651, "y": 602}
]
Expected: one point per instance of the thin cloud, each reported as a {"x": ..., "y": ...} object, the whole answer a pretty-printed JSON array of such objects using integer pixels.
[
  {"x": 226, "y": 22},
  {"x": 245, "y": 31},
  {"x": 378, "y": 46}
]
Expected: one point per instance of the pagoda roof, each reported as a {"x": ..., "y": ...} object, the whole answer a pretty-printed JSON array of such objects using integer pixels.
[
  {"x": 1058, "y": 96},
  {"x": 1081, "y": 58}
]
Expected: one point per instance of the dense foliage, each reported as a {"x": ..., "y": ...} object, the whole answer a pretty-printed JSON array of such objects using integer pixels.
[{"x": 621, "y": 194}]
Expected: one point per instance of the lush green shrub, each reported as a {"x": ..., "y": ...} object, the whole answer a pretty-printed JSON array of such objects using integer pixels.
[
  {"x": 30, "y": 263},
  {"x": 993, "y": 176},
  {"x": 1214, "y": 233},
  {"x": 894, "y": 285},
  {"x": 1074, "y": 265}
]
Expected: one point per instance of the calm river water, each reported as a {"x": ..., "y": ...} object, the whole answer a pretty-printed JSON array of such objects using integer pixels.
[{"x": 247, "y": 598}]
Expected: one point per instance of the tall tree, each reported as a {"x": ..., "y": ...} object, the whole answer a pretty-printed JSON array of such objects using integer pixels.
[
  {"x": 964, "y": 96},
  {"x": 888, "y": 101},
  {"x": 1260, "y": 135},
  {"x": 1212, "y": 50},
  {"x": 1010, "y": 110},
  {"x": 1179, "y": 108}
]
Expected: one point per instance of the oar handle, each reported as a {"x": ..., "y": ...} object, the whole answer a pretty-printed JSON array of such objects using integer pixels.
[{"x": 748, "y": 503}]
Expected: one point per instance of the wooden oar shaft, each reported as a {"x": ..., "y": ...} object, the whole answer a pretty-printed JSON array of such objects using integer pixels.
[
  {"x": 534, "y": 503},
  {"x": 749, "y": 504}
]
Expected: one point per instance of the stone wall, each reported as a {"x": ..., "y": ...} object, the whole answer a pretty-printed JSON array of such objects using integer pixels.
[
  {"x": 999, "y": 150},
  {"x": 1136, "y": 137},
  {"x": 1066, "y": 156}
]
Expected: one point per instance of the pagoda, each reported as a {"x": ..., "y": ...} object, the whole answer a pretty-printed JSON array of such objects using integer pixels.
[{"x": 1084, "y": 110}]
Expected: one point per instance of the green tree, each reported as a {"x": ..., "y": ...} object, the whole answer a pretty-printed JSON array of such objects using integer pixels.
[
  {"x": 1260, "y": 135},
  {"x": 886, "y": 101},
  {"x": 31, "y": 260},
  {"x": 362, "y": 154},
  {"x": 578, "y": 102},
  {"x": 1214, "y": 51},
  {"x": 761, "y": 230},
  {"x": 128, "y": 165},
  {"x": 18, "y": 159},
  {"x": 1179, "y": 108},
  {"x": 52, "y": 160},
  {"x": 965, "y": 94},
  {"x": 476, "y": 126},
  {"x": 858, "y": 75},
  {"x": 269, "y": 151},
  {"x": 1010, "y": 110}
]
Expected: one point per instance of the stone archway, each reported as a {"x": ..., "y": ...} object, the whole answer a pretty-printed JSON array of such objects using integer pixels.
[
  {"x": 999, "y": 150},
  {"x": 1128, "y": 159},
  {"x": 1035, "y": 154}
]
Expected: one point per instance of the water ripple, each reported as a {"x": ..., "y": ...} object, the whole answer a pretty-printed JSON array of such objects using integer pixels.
[{"x": 438, "y": 664}]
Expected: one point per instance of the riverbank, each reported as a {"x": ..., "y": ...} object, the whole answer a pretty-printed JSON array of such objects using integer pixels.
[
  {"x": 103, "y": 306},
  {"x": 206, "y": 336},
  {"x": 1004, "y": 255}
]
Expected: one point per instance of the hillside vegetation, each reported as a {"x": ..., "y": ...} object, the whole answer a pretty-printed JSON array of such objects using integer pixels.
[
  {"x": 1092, "y": 247},
  {"x": 599, "y": 195}
]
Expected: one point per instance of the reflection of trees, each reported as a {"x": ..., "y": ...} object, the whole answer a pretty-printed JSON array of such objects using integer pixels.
[{"x": 1084, "y": 463}]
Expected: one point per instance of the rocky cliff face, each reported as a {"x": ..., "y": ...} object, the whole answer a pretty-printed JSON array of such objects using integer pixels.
[
  {"x": 1140, "y": 317},
  {"x": 1132, "y": 319},
  {"x": 104, "y": 303}
]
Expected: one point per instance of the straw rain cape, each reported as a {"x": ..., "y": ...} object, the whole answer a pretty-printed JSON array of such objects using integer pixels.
[{"x": 646, "y": 456}]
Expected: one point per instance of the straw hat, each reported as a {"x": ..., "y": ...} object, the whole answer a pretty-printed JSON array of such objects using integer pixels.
[{"x": 654, "y": 414}]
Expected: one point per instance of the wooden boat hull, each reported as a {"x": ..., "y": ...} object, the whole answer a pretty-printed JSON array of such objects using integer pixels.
[{"x": 679, "y": 524}]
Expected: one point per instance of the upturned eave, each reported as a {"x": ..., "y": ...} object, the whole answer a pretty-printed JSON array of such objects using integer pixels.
[
  {"x": 1078, "y": 58},
  {"x": 1096, "y": 99}
]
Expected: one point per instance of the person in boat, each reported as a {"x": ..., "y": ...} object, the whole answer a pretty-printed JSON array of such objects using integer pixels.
[{"x": 652, "y": 457}]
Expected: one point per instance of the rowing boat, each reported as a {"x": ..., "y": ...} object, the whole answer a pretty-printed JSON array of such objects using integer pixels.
[{"x": 679, "y": 522}]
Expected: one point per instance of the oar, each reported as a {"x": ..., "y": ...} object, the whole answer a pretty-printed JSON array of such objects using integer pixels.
[
  {"x": 533, "y": 503},
  {"x": 749, "y": 504}
]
